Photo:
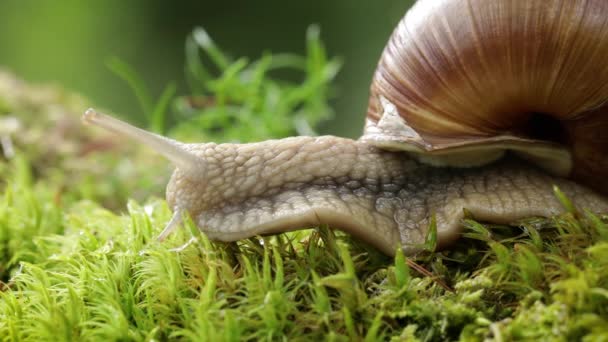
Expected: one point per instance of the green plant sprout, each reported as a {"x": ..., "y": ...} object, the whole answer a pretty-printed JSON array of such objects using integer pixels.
[{"x": 238, "y": 100}]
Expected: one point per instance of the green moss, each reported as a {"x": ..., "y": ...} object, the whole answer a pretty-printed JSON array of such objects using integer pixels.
[{"x": 78, "y": 271}]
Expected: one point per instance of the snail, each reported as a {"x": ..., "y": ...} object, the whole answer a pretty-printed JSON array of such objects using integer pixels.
[{"x": 475, "y": 105}]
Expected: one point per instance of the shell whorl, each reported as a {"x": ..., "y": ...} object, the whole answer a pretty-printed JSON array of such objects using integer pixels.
[{"x": 462, "y": 72}]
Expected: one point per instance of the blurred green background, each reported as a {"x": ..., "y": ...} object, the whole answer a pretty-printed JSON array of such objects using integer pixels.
[{"x": 69, "y": 42}]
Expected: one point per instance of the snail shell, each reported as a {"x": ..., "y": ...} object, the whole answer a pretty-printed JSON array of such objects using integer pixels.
[{"x": 475, "y": 78}]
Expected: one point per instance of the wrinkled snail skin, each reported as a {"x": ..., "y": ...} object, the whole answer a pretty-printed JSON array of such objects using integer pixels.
[
  {"x": 384, "y": 198},
  {"x": 236, "y": 191},
  {"x": 475, "y": 104}
]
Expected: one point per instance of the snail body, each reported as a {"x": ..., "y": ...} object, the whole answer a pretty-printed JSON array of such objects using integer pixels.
[{"x": 434, "y": 143}]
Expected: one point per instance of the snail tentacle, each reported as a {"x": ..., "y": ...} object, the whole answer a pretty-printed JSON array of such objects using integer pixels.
[
  {"x": 174, "y": 151},
  {"x": 172, "y": 225}
]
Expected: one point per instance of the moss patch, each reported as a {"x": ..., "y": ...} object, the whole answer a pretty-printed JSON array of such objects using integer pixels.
[{"x": 79, "y": 271}]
